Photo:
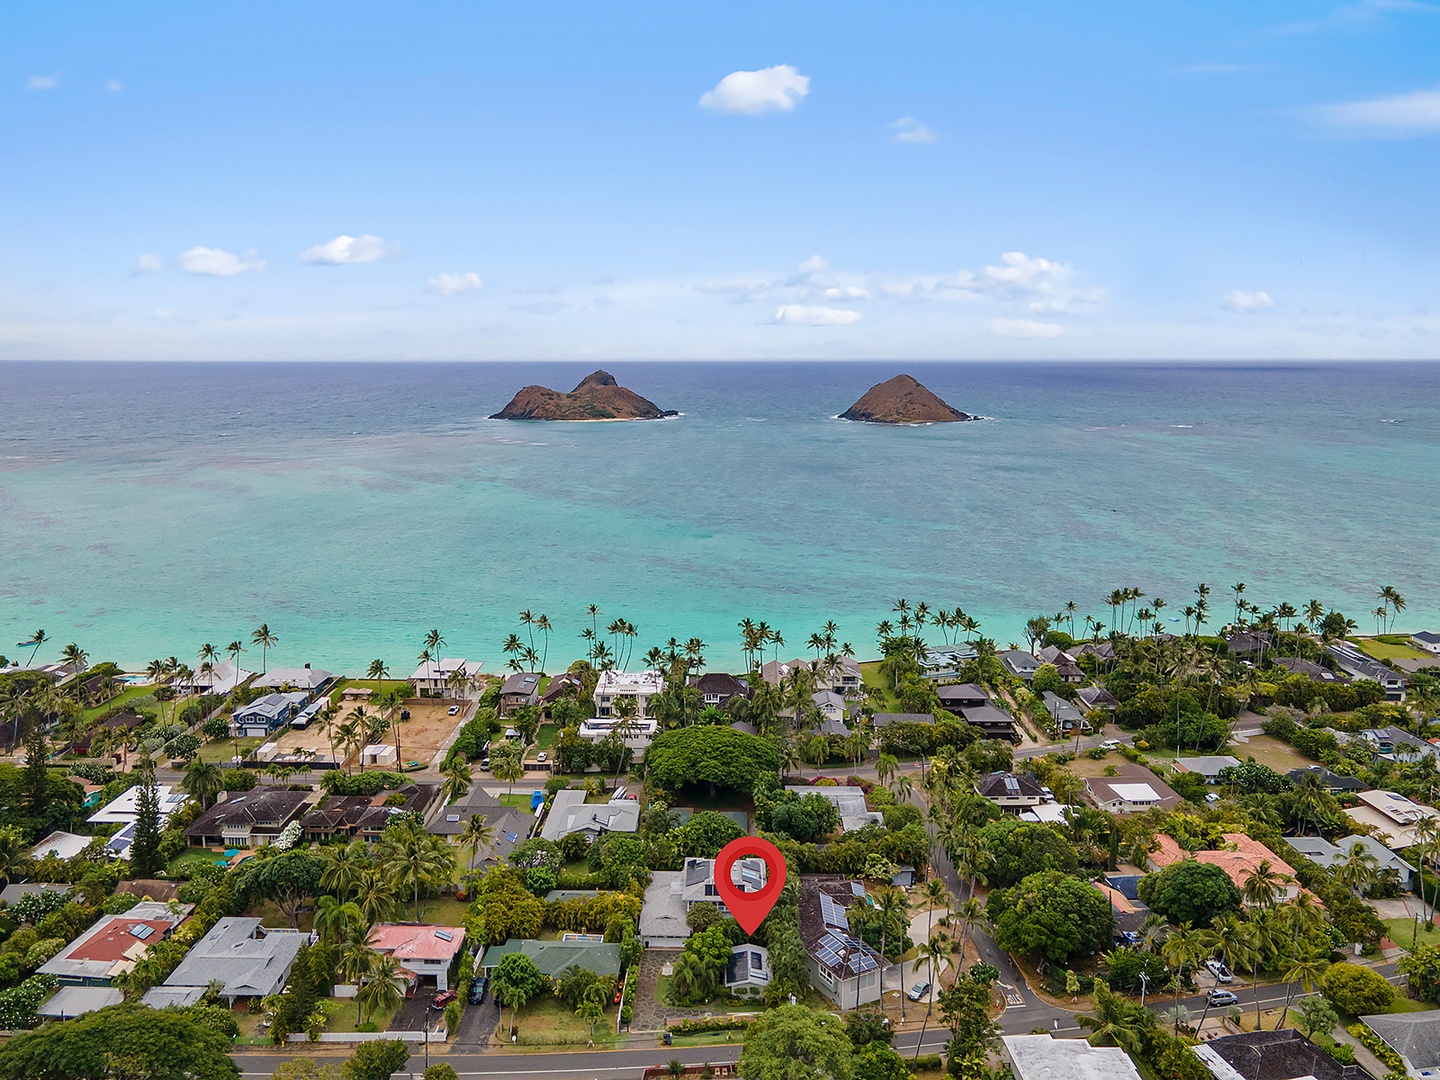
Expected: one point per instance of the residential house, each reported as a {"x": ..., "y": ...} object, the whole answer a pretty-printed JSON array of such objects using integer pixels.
[
  {"x": 425, "y": 951},
  {"x": 72, "y": 1001},
  {"x": 1245, "y": 643},
  {"x": 672, "y": 894},
  {"x": 849, "y": 801},
  {"x": 248, "y": 819},
  {"x": 1020, "y": 663},
  {"x": 1127, "y": 914},
  {"x": 553, "y": 957},
  {"x": 957, "y": 696},
  {"x": 223, "y": 678},
  {"x": 718, "y": 687},
  {"x": 635, "y": 733},
  {"x": 1066, "y": 716},
  {"x": 123, "y": 810},
  {"x": 1359, "y": 666},
  {"x": 1208, "y": 766},
  {"x": 748, "y": 971},
  {"x": 1092, "y": 698},
  {"x": 113, "y": 944},
  {"x": 1393, "y": 816},
  {"x": 511, "y": 825},
  {"x": 945, "y": 661},
  {"x": 1064, "y": 664},
  {"x": 249, "y": 960},
  {"x": 842, "y": 677},
  {"x": 1334, "y": 782},
  {"x": 1323, "y": 853},
  {"x": 1272, "y": 1055},
  {"x": 519, "y": 691},
  {"x": 842, "y": 967},
  {"x": 832, "y": 713},
  {"x": 13, "y": 894},
  {"x": 1415, "y": 1036},
  {"x": 885, "y": 719},
  {"x": 366, "y": 816},
  {"x": 1011, "y": 792},
  {"x": 614, "y": 685},
  {"x": 563, "y": 685},
  {"x": 1427, "y": 641},
  {"x": 266, "y": 715},
  {"x": 312, "y": 680},
  {"x": 63, "y": 845},
  {"x": 1043, "y": 1057},
  {"x": 1240, "y": 858},
  {"x": 1315, "y": 672},
  {"x": 991, "y": 721},
  {"x": 433, "y": 677},
  {"x": 1396, "y": 744},
  {"x": 1101, "y": 650},
  {"x": 570, "y": 813},
  {"x": 1134, "y": 789}
]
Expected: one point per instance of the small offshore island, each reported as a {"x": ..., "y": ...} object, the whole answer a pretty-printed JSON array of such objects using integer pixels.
[
  {"x": 902, "y": 400},
  {"x": 598, "y": 397}
]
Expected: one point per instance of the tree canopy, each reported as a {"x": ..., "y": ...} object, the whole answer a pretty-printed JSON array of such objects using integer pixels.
[
  {"x": 1021, "y": 848},
  {"x": 123, "y": 1040},
  {"x": 1051, "y": 914},
  {"x": 793, "y": 1042},
  {"x": 711, "y": 754},
  {"x": 1190, "y": 891}
]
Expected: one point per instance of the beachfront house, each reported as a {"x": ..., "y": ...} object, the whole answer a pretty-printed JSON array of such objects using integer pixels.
[
  {"x": 248, "y": 819},
  {"x": 945, "y": 661},
  {"x": 521, "y": 690},
  {"x": 1359, "y": 666},
  {"x": 613, "y": 686},
  {"x": 266, "y": 715},
  {"x": 1427, "y": 641},
  {"x": 718, "y": 687},
  {"x": 842, "y": 967},
  {"x": 438, "y": 678},
  {"x": 313, "y": 681}
]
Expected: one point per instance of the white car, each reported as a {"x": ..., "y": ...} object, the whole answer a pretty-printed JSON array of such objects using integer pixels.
[
  {"x": 453, "y": 709},
  {"x": 541, "y": 756},
  {"x": 1109, "y": 744}
]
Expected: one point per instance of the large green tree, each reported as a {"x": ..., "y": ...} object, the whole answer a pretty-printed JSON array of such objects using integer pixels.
[
  {"x": 1051, "y": 914},
  {"x": 793, "y": 1042},
  {"x": 713, "y": 755},
  {"x": 376, "y": 1060},
  {"x": 122, "y": 1041},
  {"x": 1190, "y": 891},
  {"x": 1019, "y": 849}
]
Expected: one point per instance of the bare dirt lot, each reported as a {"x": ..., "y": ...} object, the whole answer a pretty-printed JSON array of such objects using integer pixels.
[{"x": 429, "y": 727}]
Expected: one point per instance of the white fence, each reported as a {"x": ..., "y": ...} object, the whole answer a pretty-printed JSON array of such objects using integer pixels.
[{"x": 437, "y": 1036}]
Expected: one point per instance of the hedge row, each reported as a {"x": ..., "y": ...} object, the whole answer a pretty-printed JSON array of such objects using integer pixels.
[{"x": 718, "y": 1023}]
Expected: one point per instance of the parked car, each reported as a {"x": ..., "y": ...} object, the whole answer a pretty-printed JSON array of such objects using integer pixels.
[
  {"x": 440, "y": 1000},
  {"x": 1220, "y": 971},
  {"x": 1210, "y": 796},
  {"x": 541, "y": 756},
  {"x": 478, "y": 989},
  {"x": 1223, "y": 997},
  {"x": 1110, "y": 744},
  {"x": 485, "y": 762},
  {"x": 918, "y": 991},
  {"x": 453, "y": 709}
]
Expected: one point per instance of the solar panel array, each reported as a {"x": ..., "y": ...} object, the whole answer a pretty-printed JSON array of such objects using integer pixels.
[{"x": 832, "y": 913}]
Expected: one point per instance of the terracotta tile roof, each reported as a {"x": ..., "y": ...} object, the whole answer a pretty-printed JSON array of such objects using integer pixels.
[{"x": 1239, "y": 863}]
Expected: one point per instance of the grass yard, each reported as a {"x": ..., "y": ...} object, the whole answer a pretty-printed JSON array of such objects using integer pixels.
[
  {"x": 519, "y": 798},
  {"x": 548, "y": 1021},
  {"x": 1282, "y": 757},
  {"x": 125, "y": 697},
  {"x": 1382, "y": 650},
  {"x": 1402, "y": 931},
  {"x": 223, "y": 750},
  {"x": 189, "y": 859},
  {"x": 379, "y": 687},
  {"x": 546, "y": 736},
  {"x": 443, "y": 910},
  {"x": 342, "y": 1016},
  {"x": 718, "y": 1005},
  {"x": 870, "y": 672}
]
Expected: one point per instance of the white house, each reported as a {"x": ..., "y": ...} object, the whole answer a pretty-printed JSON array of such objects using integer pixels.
[
  {"x": 1427, "y": 640},
  {"x": 748, "y": 971},
  {"x": 1393, "y": 816},
  {"x": 614, "y": 685},
  {"x": 569, "y": 812},
  {"x": 428, "y": 952},
  {"x": 637, "y": 735},
  {"x": 432, "y": 677},
  {"x": 1042, "y": 1057}
]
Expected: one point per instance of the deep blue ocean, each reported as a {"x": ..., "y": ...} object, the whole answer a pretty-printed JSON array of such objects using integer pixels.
[{"x": 148, "y": 508}]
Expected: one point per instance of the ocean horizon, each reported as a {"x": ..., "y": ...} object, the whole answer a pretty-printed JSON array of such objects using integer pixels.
[{"x": 149, "y": 507}]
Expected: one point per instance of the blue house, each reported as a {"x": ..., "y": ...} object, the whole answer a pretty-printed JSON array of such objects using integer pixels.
[{"x": 266, "y": 715}]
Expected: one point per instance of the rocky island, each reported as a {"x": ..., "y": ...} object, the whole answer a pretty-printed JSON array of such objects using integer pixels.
[
  {"x": 902, "y": 400},
  {"x": 598, "y": 397}
]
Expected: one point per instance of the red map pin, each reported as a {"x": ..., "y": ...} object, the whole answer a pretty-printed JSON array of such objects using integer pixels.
[{"x": 750, "y": 908}]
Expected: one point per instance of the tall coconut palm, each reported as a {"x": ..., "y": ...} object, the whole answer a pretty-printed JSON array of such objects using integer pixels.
[
  {"x": 891, "y": 904},
  {"x": 544, "y": 625},
  {"x": 233, "y": 650},
  {"x": 202, "y": 781},
  {"x": 342, "y": 866},
  {"x": 1262, "y": 884},
  {"x": 1304, "y": 970},
  {"x": 375, "y": 894},
  {"x": 456, "y": 771},
  {"x": 266, "y": 640},
  {"x": 1184, "y": 950},
  {"x": 933, "y": 952},
  {"x": 75, "y": 657},
  {"x": 1359, "y": 869},
  {"x": 478, "y": 834},
  {"x": 433, "y": 642},
  {"x": 418, "y": 859},
  {"x": 36, "y": 639},
  {"x": 384, "y": 989}
]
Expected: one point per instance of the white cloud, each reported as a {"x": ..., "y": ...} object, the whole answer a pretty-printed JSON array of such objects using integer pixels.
[
  {"x": 1023, "y": 328},
  {"x": 344, "y": 250},
  {"x": 1247, "y": 302},
  {"x": 1043, "y": 284},
  {"x": 772, "y": 89},
  {"x": 1419, "y": 110},
  {"x": 114, "y": 85},
  {"x": 215, "y": 262},
  {"x": 808, "y": 315},
  {"x": 454, "y": 284},
  {"x": 147, "y": 264},
  {"x": 845, "y": 292},
  {"x": 42, "y": 82},
  {"x": 908, "y": 129}
]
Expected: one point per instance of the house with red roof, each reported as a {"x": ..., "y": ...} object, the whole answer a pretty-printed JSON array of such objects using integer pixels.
[
  {"x": 423, "y": 950},
  {"x": 1239, "y": 858}
]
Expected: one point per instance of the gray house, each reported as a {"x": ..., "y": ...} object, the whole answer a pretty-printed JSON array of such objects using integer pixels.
[
  {"x": 249, "y": 959},
  {"x": 842, "y": 967}
]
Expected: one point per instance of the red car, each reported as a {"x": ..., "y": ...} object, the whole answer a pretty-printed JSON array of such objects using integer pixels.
[{"x": 440, "y": 1000}]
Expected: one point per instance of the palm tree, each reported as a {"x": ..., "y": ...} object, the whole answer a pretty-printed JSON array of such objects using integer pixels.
[
  {"x": 1184, "y": 950},
  {"x": 267, "y": 641},
  {"x": 37, "y": 639},
  {"x": 477, "y": 834},
  {"x": 1306, "y": 972},
  {"x": 457, "y": 778},
  {"x": 375, "y": 894},
  {"x": 1112, "y": 1021},
  {"x": 333, "y": 918},
  {"x": 543, "y": 624},
  {"x": 433, "y": 640},
  {"x": 1262, "y": 884},
  {"x": 233, "y": 650},
  {"x": 202, "y": 781},
  {"x": 1359, "y": 869},
  {"x": 891, "y": 904},
  {"x": 934, "y": 895},
  {"x": 342, "y": 866},
  {"x": 692, "y": 978},
  {"x": 934, "y": 952},
  {"x": 384, "y": 990},
  {"x": 75, "y": 657}
]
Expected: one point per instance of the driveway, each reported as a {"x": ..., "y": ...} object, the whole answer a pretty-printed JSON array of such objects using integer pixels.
[
  {"x": 478, "y": 1025},
  {"x": 411, "y": 1015}
]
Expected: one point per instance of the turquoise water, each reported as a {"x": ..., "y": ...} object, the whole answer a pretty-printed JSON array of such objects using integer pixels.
[{"x": 146, "y": 509}]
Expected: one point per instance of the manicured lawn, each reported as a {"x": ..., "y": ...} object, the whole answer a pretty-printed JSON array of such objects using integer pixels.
[
  {"x": 870, "y": 672},
  {"x": 1402, "y": 931},
  {"x": 545, "y": 737},
  {"x": 223, "y": 750},
  {"x": 1384, "y": 651},
  {"x": 369, "y": 684},
  {"x": 518, "y": 798},
  {"x": 125, "y": 697},
  {"x": 443, "y": 910},
  {"x": 191, "y": 858},
  {"x": 342, "y": 1016},
  {"x": 548, "y": 1021}
]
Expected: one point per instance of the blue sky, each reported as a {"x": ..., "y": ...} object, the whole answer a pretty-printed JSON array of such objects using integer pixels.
[{"x": 632, "y": 181}]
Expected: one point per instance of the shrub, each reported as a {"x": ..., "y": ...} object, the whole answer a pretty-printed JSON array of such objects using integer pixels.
[
  {"x": 926, "y": 1063},
  {"x": 717, "y": 1023},
  {"x": 1356, "y": 989},
  {"x": 1376, "y": 1046}
]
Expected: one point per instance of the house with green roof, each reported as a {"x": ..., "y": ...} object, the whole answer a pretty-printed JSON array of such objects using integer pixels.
[{"x": 553, "y": 957}]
